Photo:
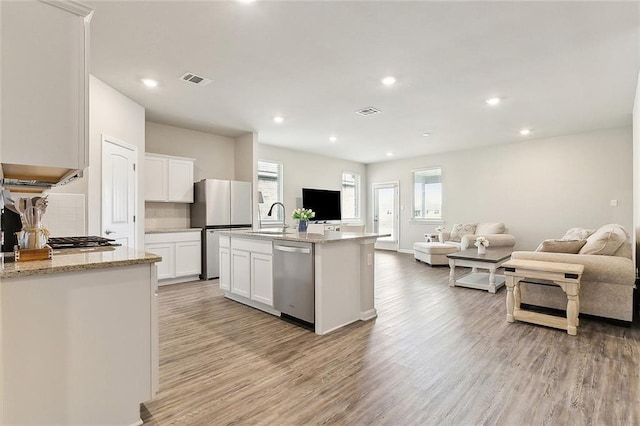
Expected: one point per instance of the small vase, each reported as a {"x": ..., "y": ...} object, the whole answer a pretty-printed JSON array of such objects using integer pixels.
[
  {"x": 482, "y": 249},
  {"x": 302, "y": 225}
]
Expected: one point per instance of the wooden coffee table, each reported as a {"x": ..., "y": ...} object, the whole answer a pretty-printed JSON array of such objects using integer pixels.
[{"x": 491, "y": 261}]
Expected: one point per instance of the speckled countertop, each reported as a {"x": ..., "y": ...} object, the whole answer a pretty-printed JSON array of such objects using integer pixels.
[
  {"x": 169, "y": 230},
  {"x": 77, "y": 260},
  {"x": 305, "y": 237}
]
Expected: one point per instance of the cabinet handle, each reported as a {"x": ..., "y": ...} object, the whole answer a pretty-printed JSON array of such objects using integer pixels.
[{"x": 109, "y": 231}]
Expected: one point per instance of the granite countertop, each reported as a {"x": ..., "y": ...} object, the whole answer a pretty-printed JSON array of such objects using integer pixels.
[
  {"x": 305, "y": 237},
  {"x": 169, "y": 230},
  {"x": 77, "y": 260}
]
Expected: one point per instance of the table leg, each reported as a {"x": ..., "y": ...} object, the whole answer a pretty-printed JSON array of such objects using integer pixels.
[
  {"x": 452, "y": 273},
  {"x": 510, "y": 301},
  {"x": 572, "y": 308},
  {"x": 492, "y": 280}
]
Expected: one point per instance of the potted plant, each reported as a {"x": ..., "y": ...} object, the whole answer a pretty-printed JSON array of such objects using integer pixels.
[{"x": 303, "y": 216}]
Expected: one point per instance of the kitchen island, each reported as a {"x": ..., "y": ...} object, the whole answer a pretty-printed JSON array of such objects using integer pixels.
[
  {"x": 343, "y": 273},
  {"x": 78, "y": 337}
]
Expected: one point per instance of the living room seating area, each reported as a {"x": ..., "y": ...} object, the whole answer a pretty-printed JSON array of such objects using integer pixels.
[{"x": 461, "y": 237}]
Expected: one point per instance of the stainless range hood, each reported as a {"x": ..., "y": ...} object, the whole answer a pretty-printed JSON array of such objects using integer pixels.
[{"x": 24, "y": 178}]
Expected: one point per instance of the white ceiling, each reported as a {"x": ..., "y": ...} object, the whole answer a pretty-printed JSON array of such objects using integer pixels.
[{"x": 560, "y": 67}]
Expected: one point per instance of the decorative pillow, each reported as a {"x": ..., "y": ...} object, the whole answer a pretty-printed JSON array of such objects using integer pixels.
[
  {"x": 577, "y": 234},
  {"x": 490, "y": 228},
  {"x": 460, "y": 230},
  {"x": 561, "y": 246},
  {"x": 605, "y": 241}
]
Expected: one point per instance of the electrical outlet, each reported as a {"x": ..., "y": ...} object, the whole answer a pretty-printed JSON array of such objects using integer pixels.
[{"x": 614, "y": 203}]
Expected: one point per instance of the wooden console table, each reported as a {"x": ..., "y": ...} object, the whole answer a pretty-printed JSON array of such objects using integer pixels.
[{"x": 565, "y": 275}]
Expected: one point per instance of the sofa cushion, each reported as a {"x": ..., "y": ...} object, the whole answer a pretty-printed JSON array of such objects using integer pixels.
[
  {"x": 488, "y": 228},
  {"x": 561, "y": 246},
  {"x": 605, "y": 241},
  {"x": 459, "y": 230},
  {"x": 577, "y": 234}
]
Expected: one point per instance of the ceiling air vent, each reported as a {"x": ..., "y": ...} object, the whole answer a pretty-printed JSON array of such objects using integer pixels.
[
  {"x": 368, "y": 111},
  {"x": 195, "y": 79}
]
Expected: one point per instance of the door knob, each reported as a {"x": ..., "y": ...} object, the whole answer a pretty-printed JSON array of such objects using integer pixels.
[{"x": 108, "y": 232}]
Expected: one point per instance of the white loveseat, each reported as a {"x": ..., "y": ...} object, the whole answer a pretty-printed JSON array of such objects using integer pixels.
[{"x": 461, "y": 237}]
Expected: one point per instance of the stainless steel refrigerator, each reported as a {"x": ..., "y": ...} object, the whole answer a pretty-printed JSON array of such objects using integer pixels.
[{"x": 219, "y": 205}]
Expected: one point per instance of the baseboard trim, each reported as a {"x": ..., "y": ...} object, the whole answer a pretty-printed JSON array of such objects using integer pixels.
[
  {"x": 405, "y": 251},
  {"x": 368, "y": 315},
  {"x": 138, "y": 423}
]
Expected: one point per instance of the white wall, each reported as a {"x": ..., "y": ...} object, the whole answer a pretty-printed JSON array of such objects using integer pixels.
[
  {"x": 538, "y": 188},
  {"x": 115, "y": 115},
  {"x": 246, "y": 165},
  {"x": 636, "y": 172},
  {"x": 214, "y": 154},
  {"x": 301, "y": 169}
]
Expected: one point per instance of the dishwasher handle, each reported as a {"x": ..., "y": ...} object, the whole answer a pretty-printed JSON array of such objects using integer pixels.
[{"x": 292, "y": 249}]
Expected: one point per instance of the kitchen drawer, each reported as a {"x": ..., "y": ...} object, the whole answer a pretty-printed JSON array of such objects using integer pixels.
[
  {"x": 172, "y": 237},
  {"x": 252, "y": 245}
]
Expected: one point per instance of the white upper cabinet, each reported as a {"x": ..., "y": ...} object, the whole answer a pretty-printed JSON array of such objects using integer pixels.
[
  {"x": 45, "y": 88},
  {"x": 168, "y": 179}
]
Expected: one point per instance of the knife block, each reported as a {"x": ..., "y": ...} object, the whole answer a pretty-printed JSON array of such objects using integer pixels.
[{"x": 25, "y": 255}]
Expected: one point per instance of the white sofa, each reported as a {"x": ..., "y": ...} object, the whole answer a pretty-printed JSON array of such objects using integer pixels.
[
  {"x": 461, "y": 237},
  {"x": 607, "y": 284}
]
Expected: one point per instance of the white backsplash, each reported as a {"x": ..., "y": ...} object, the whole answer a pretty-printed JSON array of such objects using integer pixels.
[
  {"x": 167, "y": 215},
  {"x": 65, "y": 215}
]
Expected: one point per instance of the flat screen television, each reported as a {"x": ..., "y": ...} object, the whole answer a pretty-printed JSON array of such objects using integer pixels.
[{"x": 325, "y": 203}]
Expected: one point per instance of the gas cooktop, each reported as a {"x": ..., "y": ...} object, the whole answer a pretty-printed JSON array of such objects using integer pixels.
[{"x": 75, "y": 242}]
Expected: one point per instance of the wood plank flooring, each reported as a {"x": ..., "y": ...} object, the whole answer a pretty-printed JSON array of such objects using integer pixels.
[{"x": 435, "y": 355}]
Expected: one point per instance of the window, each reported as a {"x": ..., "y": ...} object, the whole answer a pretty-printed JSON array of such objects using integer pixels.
[
  {"x": 270, "y": 185},
  {"x": 350, "y": 196},
  {"x": 427, "y": 194}
]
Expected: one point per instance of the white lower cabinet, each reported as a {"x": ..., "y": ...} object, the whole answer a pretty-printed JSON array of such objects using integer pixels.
[
  {"x": 246, "y": 269},
  {"x": 240, "y": 273},
  {"x": 167, "y": 265},
  {"x": 181, "y": 254},
  {"x": 262, "y": 278}
]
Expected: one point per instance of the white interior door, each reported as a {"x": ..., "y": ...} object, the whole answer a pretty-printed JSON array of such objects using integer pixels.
[
  {"x": 385, "y": 214},
  {"x": 119, "y": 191}
]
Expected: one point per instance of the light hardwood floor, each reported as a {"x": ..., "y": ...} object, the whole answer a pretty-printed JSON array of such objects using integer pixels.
[{"x": 435, "y": 355}]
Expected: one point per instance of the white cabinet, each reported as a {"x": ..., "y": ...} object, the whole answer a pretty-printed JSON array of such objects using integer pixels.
[
  {"x": 181, "y": 254},
  {"x": 246, "y": 270},
  {"x": 168, "y": 178},
  {"x": 262, "y": 278},
  {"x": 45, "y": 87},
  {"x": 166, "y": 267},
  {"x": 225, "y": 268},
  {"x": 240, "y": 273}
]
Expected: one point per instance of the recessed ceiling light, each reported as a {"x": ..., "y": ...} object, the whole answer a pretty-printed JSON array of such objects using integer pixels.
[
  {"x": 426, "y": 134},
  {"x": 332, "y": 138},
  {"x": 389, "y": 80},
  {"x": 493, "y": 101},
  {"x": 525, "y": 132},
  {"x": 389, "y": 154},
  {"x": 149, "y": 83},
  {"x": 278, "y": 119}
]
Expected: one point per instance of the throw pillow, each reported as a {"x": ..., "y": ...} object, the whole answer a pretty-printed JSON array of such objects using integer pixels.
[
  {"x": 561, "y": 246},
  {"x": 488, "y": 228},
  {"x": 460, "y": 230},
  {"x": 577, "y": 234},
  {"x": 605, "y": 241}
]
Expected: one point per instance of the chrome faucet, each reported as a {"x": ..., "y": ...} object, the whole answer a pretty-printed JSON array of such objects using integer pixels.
[{"x": 284, "y": 212}]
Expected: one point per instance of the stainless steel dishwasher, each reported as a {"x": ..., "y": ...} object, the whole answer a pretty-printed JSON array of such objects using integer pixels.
[{"x": 293, "y": 280}]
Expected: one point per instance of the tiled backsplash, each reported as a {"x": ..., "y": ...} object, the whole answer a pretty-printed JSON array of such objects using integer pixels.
[
  {"x": 166, "y": 215},
  {"x": 65, "y": 215}
]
